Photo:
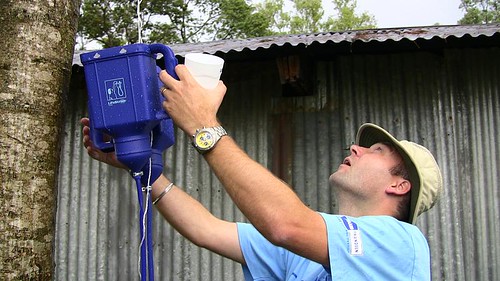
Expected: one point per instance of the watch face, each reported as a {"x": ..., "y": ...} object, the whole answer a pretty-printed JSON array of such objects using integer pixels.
[{"x": 204, "y": 140}]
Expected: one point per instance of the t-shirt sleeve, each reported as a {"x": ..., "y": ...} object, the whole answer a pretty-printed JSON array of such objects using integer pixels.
[
  {"x": 376, "y": 248},
  {"x": 264, "y": 261}
]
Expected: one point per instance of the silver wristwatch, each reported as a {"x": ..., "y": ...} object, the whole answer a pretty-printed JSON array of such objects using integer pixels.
[{"x": 205, "y": 139}]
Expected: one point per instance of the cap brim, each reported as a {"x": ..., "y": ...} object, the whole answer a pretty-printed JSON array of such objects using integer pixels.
[{"x": 370, "y": 134}]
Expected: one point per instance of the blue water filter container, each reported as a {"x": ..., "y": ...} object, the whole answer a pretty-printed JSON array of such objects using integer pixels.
[{"x": 124, "y": 100}]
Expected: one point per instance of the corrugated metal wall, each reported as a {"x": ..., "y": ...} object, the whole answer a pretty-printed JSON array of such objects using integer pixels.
[{"x": 449, "y": 102}]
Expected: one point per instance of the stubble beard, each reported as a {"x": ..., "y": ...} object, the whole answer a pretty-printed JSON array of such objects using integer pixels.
[{"x": 346, "y": 186}]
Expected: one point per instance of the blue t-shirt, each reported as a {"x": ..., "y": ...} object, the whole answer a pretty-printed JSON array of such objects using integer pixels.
[{"x": 364, "y": 248}]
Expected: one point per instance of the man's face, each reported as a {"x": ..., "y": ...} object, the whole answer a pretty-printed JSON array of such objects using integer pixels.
[{"x": 366, "y": 171}]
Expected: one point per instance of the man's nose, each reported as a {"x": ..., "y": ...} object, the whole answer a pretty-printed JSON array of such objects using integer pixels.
[{"x": 357, "y": 150}]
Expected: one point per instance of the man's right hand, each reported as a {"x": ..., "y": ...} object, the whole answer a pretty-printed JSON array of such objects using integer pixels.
[{"x": 191, "y": 106}]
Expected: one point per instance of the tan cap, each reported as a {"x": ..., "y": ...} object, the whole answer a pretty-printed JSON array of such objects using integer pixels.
[{"x": 425, "y": 176}]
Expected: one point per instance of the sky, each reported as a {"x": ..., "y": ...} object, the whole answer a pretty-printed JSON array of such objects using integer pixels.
[{"x": 406, "y": 13}]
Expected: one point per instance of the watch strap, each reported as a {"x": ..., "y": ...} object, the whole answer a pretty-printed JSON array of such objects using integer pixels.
[{"x": 220, "y": 131}]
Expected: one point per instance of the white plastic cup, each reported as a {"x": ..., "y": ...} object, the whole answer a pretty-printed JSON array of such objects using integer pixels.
[{"x": 206, "y": 69}]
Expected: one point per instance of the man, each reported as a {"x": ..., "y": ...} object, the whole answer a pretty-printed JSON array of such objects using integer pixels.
[{"x": 381, "y": 188}]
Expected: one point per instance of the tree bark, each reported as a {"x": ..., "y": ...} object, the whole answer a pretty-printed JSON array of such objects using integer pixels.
[{"x": 36, "y": 49}]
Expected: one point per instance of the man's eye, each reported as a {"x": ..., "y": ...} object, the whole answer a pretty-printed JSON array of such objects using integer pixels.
[{"x": 377, "y": 148}]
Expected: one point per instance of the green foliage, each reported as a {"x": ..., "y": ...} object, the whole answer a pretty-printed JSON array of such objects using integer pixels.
[
  {"x": 237, "y": 19},
  {"x": 308, "y": 16},
  {"x": 347, "y": 18},
  {"x": 177, "y": 23},
  {"x": 480, "y": 11},
  {"x": 276, "y": 18},
  {"x": 115, "y": 22},
  {"x": 109, "y": 23}
]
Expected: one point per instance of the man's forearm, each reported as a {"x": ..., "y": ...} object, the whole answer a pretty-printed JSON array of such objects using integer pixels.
[
  {"x": 264, "y": 199},
  {"x": 193, "y": 221},
  {"x": 269, "y": 203}
]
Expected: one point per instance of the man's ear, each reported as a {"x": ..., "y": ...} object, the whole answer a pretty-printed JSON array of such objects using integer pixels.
[{"x": 399, "y": 187}]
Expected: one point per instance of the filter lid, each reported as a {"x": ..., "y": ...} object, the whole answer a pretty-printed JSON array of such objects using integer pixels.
[{"x": 115, "y": 52}]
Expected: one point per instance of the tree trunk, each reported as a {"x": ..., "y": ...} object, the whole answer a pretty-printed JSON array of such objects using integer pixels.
[{"x": 36, "y": 49}]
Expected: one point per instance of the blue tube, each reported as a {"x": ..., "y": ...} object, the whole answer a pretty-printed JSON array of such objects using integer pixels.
[
  {"x": 149, "y": 231},
  {"x": 141, "y": 215}
]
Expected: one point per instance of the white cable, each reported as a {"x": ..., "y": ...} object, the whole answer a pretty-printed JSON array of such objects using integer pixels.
[
  {"x": 139, "y": 21},
  {"x": 148, "y": 187},
  {"x": 139, "y": 32},
  {"x": 144, "y": 216}
]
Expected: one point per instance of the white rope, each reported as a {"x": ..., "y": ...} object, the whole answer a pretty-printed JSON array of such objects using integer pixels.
[
  {"x": 144, "y": 217},
  {"x": 148, "y": 187},
  {"x": 139, "y": 21}
]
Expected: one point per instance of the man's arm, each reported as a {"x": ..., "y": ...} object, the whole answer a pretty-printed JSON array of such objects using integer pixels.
[
  {"x": 188, "y": 216},
  {"x": 193, "y": 221},
  {"x": 270, "y": 205}
]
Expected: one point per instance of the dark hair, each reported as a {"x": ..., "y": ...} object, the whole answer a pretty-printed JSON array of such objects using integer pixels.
[
  {"x": 400, "y": 170},
  {"x": 403, "y": 209}
]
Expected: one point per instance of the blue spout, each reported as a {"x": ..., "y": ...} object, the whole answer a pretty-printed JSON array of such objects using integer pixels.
[
  {"x": 133, "y": 151},
  {"x": 163, "y": 138}
]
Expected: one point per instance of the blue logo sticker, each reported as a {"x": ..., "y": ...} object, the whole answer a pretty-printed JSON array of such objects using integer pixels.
[
  {"x": 349, "y": 224},
  {"x": 115, "y": 91},
  {"x": 354, "y": 236}
]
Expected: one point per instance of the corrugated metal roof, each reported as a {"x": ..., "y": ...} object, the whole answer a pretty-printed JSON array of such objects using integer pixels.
[
  {"x": 368, "y": 35},
  {"x": 381, "y": 35}
]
